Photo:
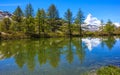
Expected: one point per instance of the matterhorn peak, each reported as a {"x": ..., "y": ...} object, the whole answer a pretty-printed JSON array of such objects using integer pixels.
[
  {"x": 90, "y": 20},
  {"x": 89, "y": 16}
]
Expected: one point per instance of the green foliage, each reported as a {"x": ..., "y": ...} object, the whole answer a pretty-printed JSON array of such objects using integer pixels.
[
  {"x": 109, "y": 70},
  {"x": 117, "y": 31},
  {"x": 109, "y": 27},
  {"x": 30, "y": 26},
  {"x": 6, "y": 24},
  {"x": 29, "y": 20},
  {"x": 102, "y": 23},
  {"x": 29, "y": 12},
  {"x": 53, "y": 17},
  {"x": 110, "y": 41},
  {"x": 18, "y": 14},
  {"x": 18, "y": 18},
  {"x": 49, "y": 24},
  {"x": 68, "y": 18},
  {"x": 79, "y": 17},
  {"x": 40, "y": 20},
  {"x": 26, "y": 52},
  {"x": 80, "y": 20},
  {"x": 53, "y": 12},
  {"x": 0, "y": 26}
]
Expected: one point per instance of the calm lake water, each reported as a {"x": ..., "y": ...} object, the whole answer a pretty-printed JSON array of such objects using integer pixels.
[{"x": 58, "y": 56}]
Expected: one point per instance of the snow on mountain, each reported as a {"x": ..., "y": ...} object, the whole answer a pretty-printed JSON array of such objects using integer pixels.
[
  {"x": 117, "y": 24},
  {"x": 90, "y": 20},
  {"x": 91, "y": 42},
  {"x": 93, "y": 23},
  {"x": 4, "y": 14}
]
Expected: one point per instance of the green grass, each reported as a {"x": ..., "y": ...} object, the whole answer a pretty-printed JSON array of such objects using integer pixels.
[{"x": 109, "y": 70}]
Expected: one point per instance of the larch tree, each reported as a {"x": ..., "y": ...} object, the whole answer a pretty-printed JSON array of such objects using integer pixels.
[
  {"x": 53, "y": 15},
  {"x": 68, "y": 18},
  {"x": 18, "y": 18},
  {"x": 6, "y": 24},
  {"x": 40, "y": 20},
  {"x": 79, "y": 20},
  {"x": 109, "y": 27},
  {"x": 29, "y": 19}
]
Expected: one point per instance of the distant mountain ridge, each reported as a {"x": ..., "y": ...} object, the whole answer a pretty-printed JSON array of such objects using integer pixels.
[
  {"x": 93, "y": 23},
  {"x": 4, "y": 14}
]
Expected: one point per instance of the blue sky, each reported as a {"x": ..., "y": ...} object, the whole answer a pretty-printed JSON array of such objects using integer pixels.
[{"x": 102, "y": 9}]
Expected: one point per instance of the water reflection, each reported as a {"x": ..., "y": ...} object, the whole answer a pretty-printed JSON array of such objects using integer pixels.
[
  {"x": 28, "y": 52},
  {"x": 46, "y": 50},
  {"x": 94, "y": 42},
  {"x": 110, "y": 41},
  {"x": 91, "y": 42}
]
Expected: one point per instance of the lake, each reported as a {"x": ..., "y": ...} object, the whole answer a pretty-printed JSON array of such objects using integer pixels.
[{"x": 58, "y": 56}]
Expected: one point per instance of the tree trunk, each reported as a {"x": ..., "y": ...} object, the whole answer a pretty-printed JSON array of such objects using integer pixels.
[
  {"x": 80, "y": 30},
  {"x": 70, "y": 33}
]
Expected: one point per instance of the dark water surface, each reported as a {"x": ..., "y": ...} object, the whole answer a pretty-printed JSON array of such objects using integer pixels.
[{"x": 58, "y": 56}]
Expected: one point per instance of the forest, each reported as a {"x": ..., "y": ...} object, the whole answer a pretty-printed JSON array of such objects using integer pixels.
[{"x": 27, "y": 24}]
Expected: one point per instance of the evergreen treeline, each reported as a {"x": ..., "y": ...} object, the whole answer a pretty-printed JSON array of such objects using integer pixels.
[{"x": 43, "y": 23}]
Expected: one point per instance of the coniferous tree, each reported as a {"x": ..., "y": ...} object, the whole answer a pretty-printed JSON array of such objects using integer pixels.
[
  {"x": 80, "y": 20},
  {"x": 6, "y": 24},
  {"x": 53, "y": 12},
  {"x": 109, "y": 27},
  {"x": 40, "y": 20},
  {"x": 18, "y": 13},
  {"x": 53, "y": 15},
  {"x": 29, "y": 12},
  {"x": 68, "y": 18},
  {"x": 18, "y": 18},
  {"x": 102, "y": 23},
  {"x": 29, "y": 20}
]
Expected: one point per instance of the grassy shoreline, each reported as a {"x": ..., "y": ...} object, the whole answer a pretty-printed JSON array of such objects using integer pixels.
[
  {"x": 109, "y": 70},
  {"x": 21, "y": 35},
  {"x": 105, "y": 70}
]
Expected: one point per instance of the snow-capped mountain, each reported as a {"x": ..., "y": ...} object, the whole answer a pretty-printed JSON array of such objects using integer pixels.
[
  {"x": 93, "y": 23},
  {"x": 90, "y": 20},
  {"x": 4, "y": 14}
]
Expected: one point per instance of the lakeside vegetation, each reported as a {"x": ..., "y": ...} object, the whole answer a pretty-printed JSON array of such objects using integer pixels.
[
  {"x": 49, "y": 24},
  {"x": 106, "y": 70},
  {"x": 109, "y": 70}
]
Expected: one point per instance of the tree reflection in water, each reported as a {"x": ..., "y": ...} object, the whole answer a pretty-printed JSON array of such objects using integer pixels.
[
  {"x": 110, "y": 41},
  {"x": 46, "y": 50}
]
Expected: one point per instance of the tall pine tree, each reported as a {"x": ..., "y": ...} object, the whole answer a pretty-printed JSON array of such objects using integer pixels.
[
  {"x": 40, "y": 20},
  {"x": 29, "y": 20},
  {"x": 18, "y": 18},
  {"x": 79, "y": 20},
  {"x": 53, "y": 15},
  {"x": 68, "y": 18}
]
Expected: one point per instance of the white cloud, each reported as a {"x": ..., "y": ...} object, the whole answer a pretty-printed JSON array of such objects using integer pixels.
[{"x": 92, "y": 20}]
